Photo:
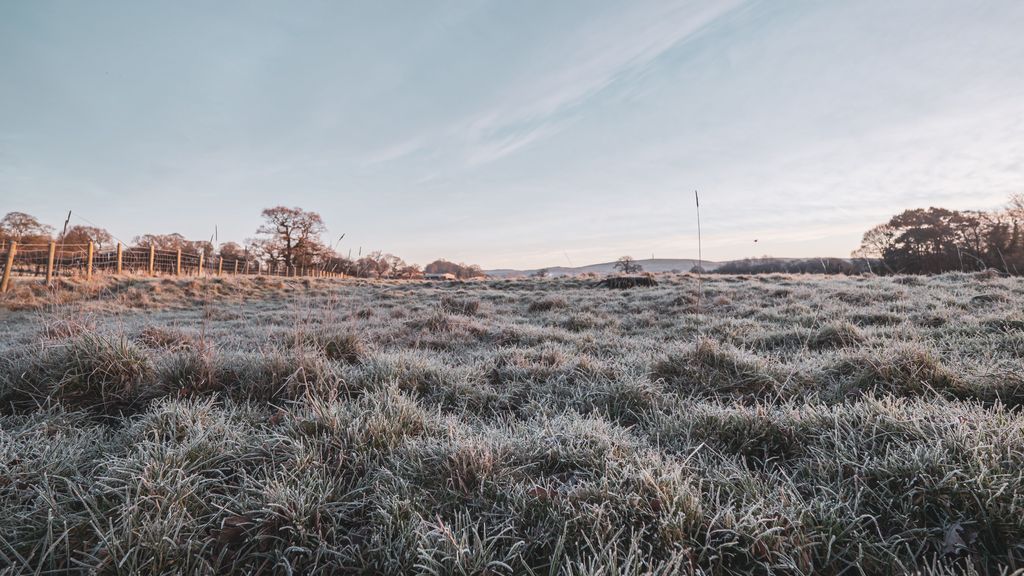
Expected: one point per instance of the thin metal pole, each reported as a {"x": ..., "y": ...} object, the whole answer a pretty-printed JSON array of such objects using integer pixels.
[{"x": 700, "y": 259}]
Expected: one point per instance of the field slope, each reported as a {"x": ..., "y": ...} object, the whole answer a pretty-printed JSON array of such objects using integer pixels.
[{"x": 799, "y": 425}]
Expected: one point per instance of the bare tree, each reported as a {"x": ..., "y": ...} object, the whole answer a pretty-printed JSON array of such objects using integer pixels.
[
  {"x": 233, "y": 251},
  {"x": 409, "y": 271},
  {"x": 875, "y": 242},
  {"x": 85, "y": 234},
  {"x": 394, "y": 265},
  {"x": 373, "y": 265},
  {"x": 460, "y": 270},
  {"x": 174, "y": 241},
  {"x": 294, "y": 234},
  {"x": 627, "y": 265},
  {"x": 24, "y": 228}
]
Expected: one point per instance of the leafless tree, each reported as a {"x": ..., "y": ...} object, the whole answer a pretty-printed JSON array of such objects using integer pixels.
[
  {"x": 23, "y": 228},
  {"x": 627, "y": 265},
  {"x": 174, "y": 241},
  {"x": 293, "y": 234},
  {"x": 85, "y": 234},
  {"x": 875, "y": 242}
]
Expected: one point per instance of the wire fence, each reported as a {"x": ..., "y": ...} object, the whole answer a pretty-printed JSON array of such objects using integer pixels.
[{"x": 56, "y": 260}]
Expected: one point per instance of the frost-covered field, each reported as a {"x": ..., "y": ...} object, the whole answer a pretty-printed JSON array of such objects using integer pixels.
[{"x": 814, "y": 426}]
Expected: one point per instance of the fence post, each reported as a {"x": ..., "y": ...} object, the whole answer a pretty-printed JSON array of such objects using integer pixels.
[
  {"x": 220, "y": 265},
  {"x": 49, "y": 263},
  {"x": 152, "y": 259},
  {"x": 119, "y": 258},
  {"x": 259, "y": 267},
  {"x": 199, "y": 272},
  {"x": 236, "y": 266},
  {"x": 11, "y": 251},
  {"x": 177, "y": 265},
  {"x": 88, "y": 263}
]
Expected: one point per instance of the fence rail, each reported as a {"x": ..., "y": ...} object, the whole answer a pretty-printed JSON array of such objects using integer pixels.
[{"x": 53, "y": 260}]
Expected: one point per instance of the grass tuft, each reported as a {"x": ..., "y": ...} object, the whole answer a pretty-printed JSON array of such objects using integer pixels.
[
  {"x": 711, "y": 368},
  {"x": 547, "y": 304},
  {"x": 345, "y": 347},
  {"x": 903, "y": 369},
  {"x": 836, "y": 335},
  {"x": 97, "y": 372},
  {"x": 462, "y": 306}
]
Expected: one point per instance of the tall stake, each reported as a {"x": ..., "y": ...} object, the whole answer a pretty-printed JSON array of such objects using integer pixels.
[
  {"x": 700, "y": 259},
  {"x": 88, "y": 262},
  {"x": 49, "y": 263},
  {"x": 12, "y": 250}
]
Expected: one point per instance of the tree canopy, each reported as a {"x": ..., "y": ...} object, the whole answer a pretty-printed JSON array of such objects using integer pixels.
[
  {"x": 291, "y": 236},
  {"x": 84, "y": 234},
  {"x": 935, "y": 240},
  {"x": 627, "y": 265},
  {"x": 24, "y": 228},
  {"x": 461, "y": 271}
]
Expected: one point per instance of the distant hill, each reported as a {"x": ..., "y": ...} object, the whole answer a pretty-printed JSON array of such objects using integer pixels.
[{"x": 649, "y": 265}]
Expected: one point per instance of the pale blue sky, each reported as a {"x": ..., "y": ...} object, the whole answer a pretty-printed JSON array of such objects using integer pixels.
[{"x": 513, "y": 133}]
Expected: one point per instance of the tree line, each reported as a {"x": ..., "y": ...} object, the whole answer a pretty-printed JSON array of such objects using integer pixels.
[
  {"x": 918, "y": 241},
  {"x": 288, "y": 237},
  {"x": 936, "y": 240}
]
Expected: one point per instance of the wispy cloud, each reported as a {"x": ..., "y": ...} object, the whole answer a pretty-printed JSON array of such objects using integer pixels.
[
  {"x": 592, "y": 57},
  {"x": 392, "y": 152},
  {"x": 537, "y": 101},
  {"x": 586, "y": 62},
  {"x": 488, "y": 150}
]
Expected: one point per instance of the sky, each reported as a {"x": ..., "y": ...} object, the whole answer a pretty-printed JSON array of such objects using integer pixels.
[{"x": 513, "y": 134}]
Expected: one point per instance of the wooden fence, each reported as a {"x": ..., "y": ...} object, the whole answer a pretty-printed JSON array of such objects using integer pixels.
[{"x": 84, "y": 260}]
